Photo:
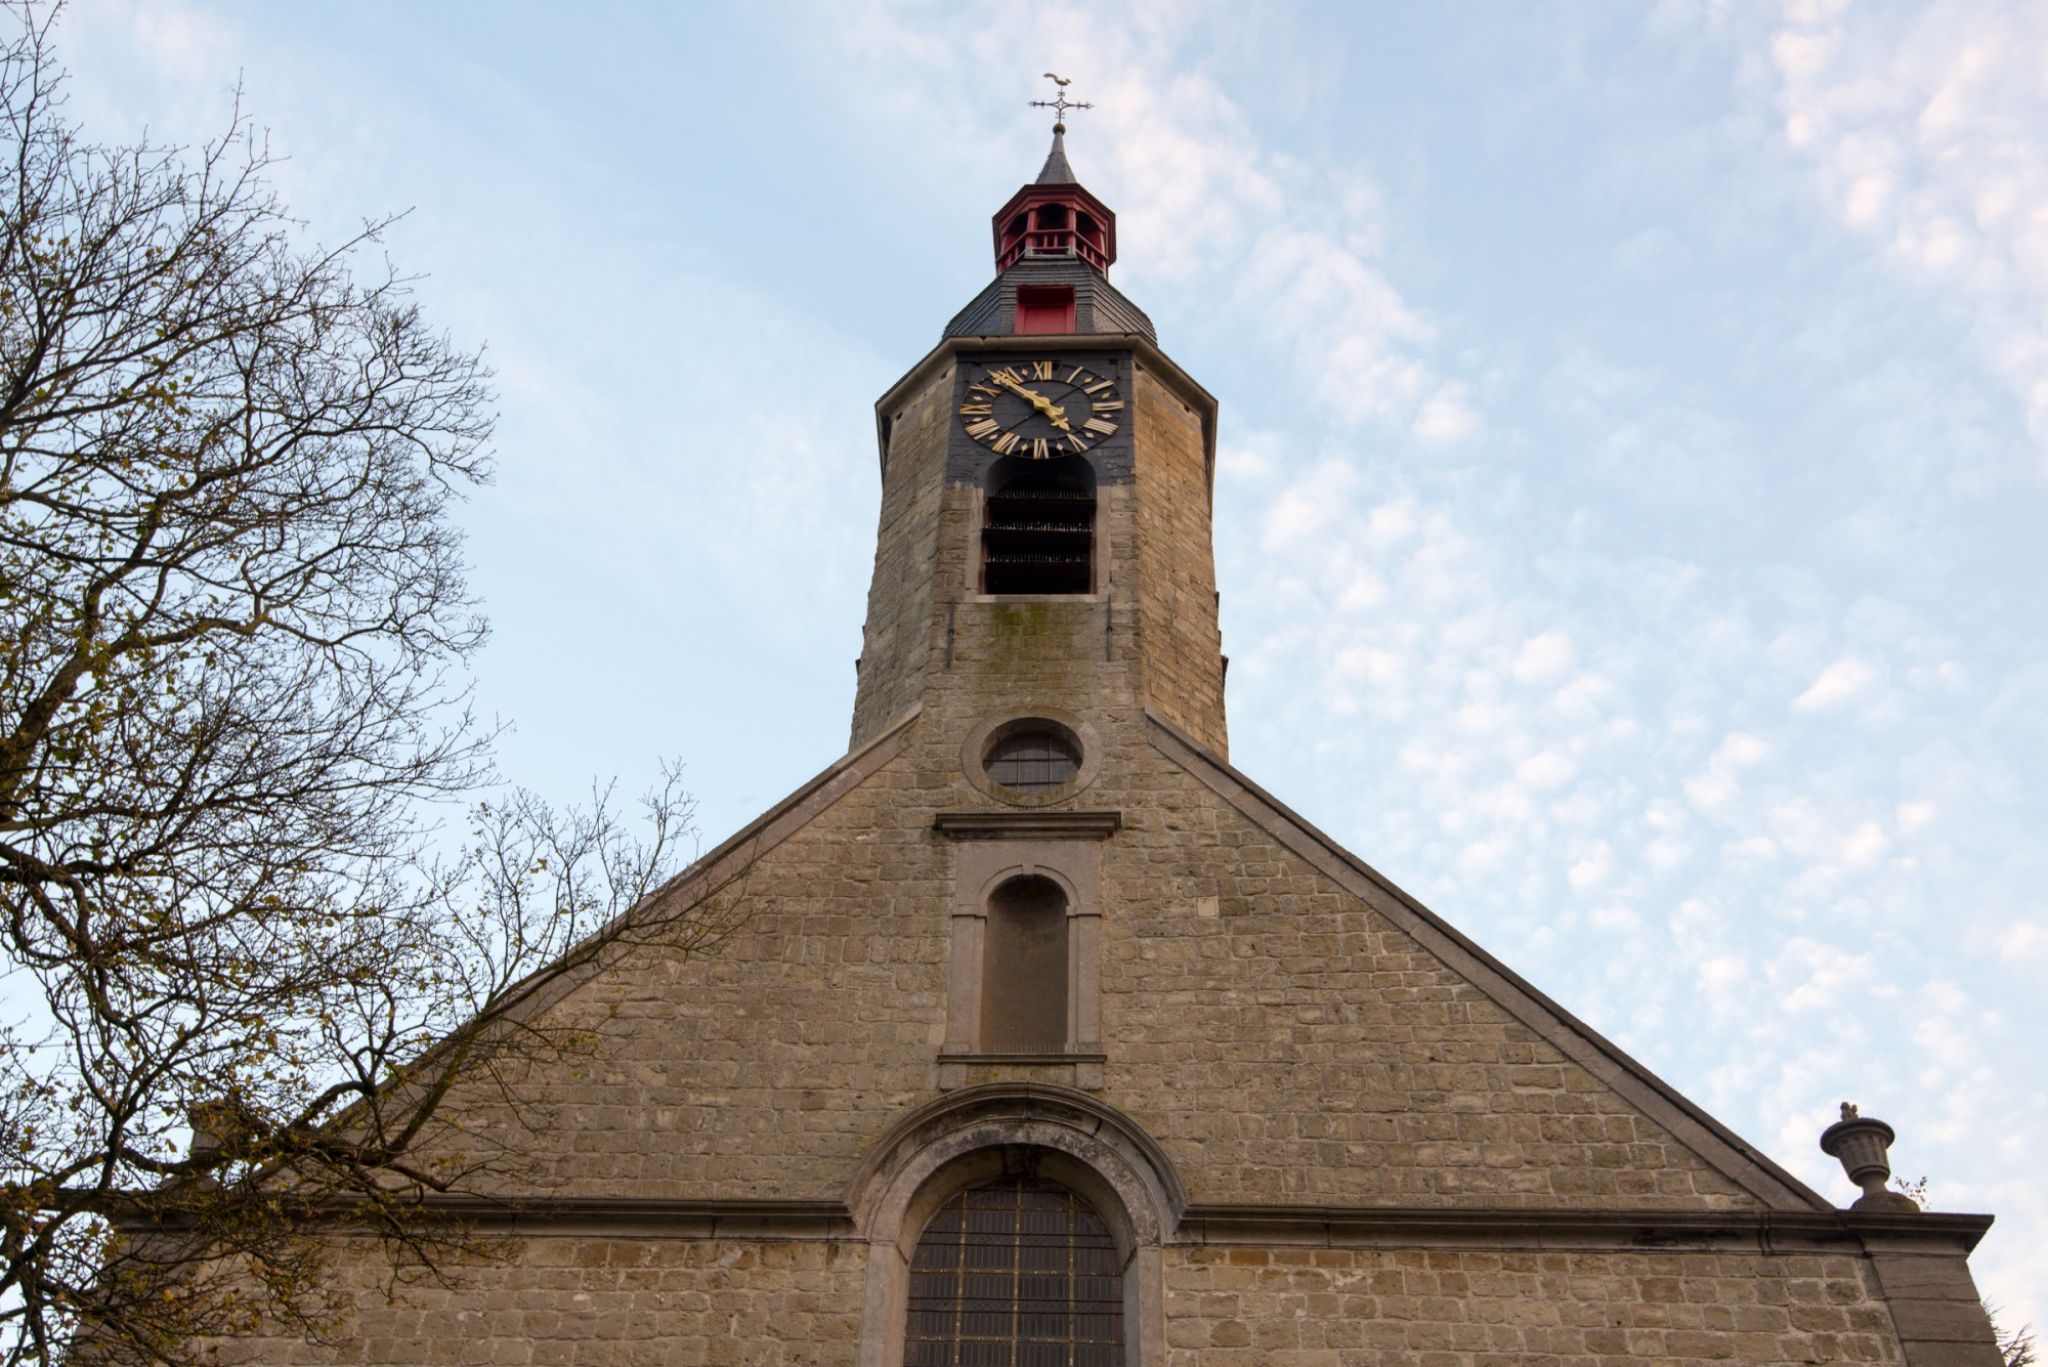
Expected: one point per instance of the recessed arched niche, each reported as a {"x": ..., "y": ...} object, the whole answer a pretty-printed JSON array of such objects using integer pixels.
[{"x": 1025, "y": 967}]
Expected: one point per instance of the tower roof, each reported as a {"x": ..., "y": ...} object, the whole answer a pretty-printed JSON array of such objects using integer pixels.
[
  {"x": 1055, "y": 217},
  {"x": 1056, "y": 171}
]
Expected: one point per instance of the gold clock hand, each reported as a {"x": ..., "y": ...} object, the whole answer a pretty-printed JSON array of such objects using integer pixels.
[
  {"x": 1031, "y": 395},
  {"x": 1057, "y": 414}
]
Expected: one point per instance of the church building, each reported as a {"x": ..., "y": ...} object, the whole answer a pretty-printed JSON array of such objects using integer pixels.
[{"x": 1045, "y": 1038}]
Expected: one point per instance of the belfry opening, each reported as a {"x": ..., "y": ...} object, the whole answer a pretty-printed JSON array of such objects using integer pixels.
[{"x": 1038, "y": 531}]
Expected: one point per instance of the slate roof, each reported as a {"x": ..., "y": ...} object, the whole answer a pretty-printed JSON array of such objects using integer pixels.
[
  {"x": 1056, "y": 170},
  {"x": 1099, "y": 306}
]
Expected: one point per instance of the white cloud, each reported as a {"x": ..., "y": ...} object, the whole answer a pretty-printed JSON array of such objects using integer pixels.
[
  {"x": 1720, "y": 976},
  {"x": 1926, "y": 130},
  {"x": 1717, "y": 787},
  {"x": 1447, "y": 415},
  {"x": 1544, "y": 658},
  {"x": 1592, "y": 868},
  {"x": 1865, "y": 845},
  {"x": 1248, "y": 456},
  {"x": 1820, "y": 976},
  {"x": 1911, "y": 816},
  {"x": 2024, "y": 940},
  {"x": 1546, "y": 772},
  {"x": 1842, "y": 681}
]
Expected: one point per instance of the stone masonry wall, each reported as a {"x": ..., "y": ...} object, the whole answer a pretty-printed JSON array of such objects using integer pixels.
[
  {"x": 618, "y": 1302},
  {"x": 1281, "y": 1039},
  {"x": 1180, "y": 646},
  {"x": 593, "y": 1302},
  {"x": 1466, "y": 1308},
  {"x": 896, "y": 642},
  {"x": 1291, "y": 1045},
  {"x": 765, "y": 1068}
]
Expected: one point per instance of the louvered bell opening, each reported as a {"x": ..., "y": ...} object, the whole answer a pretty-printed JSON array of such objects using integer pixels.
[{"x": 1039, "y": 536}]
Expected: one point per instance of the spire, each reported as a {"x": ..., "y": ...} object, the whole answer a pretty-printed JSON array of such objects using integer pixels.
[
  {"x": 1053, "y": 216},
  {"x": 1056, "y": 171}
]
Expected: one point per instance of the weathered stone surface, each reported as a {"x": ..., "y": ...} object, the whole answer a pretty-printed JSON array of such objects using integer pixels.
[
  {"x": 1292, "y": 1047},
  {"x": 1414, "y": 1308},
  {"x": 1180, "y": 645},
  {"x": 593, "y": 1303}
]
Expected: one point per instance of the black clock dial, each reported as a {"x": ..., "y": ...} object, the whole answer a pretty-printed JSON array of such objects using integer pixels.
[{"x": 1040, "y": 408}]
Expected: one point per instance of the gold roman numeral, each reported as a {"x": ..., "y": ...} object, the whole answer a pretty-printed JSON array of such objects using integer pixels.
[
  {"x": 1099, "y": 427},
  {"x": 1006, "y": 376},
  {"x": 1098, "y": 386},
  {"x": 1076, "y": 373},
  {"x": 1038, "y": 451},
  {"x": 1042, "y": 369},
  {"x": 1005, "y": 444},
  {"x": 976, "y": 410},
  {"x": 983, "y": 428},
  {"x": 1107, "y": 405}
]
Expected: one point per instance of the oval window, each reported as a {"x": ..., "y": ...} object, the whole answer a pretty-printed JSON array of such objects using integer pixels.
[{"x": 1033, "y": 756}]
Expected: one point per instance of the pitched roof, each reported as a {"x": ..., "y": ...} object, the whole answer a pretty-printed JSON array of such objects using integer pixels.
[{"x": 1056, "y": 171}]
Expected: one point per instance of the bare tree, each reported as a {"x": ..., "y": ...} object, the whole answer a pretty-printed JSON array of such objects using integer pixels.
[
  {"x": 2016, "y": 1348},
  {"x": 232, "y": 626}
]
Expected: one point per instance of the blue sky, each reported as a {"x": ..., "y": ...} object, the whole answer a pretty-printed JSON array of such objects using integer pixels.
[{"x": 1634, "y": 464}]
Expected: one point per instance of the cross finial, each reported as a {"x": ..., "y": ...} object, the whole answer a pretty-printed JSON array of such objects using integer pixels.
[{"x": 1060, "y": 104}]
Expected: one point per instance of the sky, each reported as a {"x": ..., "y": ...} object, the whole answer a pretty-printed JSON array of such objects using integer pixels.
[{"x": 1633, "y": 459}]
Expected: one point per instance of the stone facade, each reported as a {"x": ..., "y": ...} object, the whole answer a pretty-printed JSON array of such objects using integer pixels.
[
  {"x": 1323, "y": 1127},
  {"x": 1413, "y": 1306}
]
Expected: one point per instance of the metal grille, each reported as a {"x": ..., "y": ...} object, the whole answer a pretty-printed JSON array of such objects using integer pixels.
[
  {"x": 1018, "y": 1273},
  {"x": 1033, "y": 759},
  {"x": 1040, "y": 530}
]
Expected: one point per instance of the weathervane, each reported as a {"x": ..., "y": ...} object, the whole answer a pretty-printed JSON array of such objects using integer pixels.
[{"x": 1060, "y": 104}]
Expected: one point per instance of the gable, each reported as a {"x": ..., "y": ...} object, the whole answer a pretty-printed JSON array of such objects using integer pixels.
[
  {"x": 1444, "y": 1073},
  {"x": 1290, "y": 1028}
]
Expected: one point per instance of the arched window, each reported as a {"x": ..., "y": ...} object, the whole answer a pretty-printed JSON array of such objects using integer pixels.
[
  {"x": 1018, "y": 1272},
  {"x": 1024, "y": 969},
  {"x": 1039, "y": 536}
]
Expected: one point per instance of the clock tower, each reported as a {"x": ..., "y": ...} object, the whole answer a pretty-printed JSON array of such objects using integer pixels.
[{"x": 1047, "y": 474}]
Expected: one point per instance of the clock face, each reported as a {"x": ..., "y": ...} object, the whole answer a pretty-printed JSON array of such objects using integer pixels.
[{"x": 1041, "y": 408}]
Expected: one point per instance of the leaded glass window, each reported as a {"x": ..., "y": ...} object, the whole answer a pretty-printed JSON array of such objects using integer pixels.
[{"x": 1015, "y": 1273}]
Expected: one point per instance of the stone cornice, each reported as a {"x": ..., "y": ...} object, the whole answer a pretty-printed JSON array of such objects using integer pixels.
[
  {"x": 651, "y": 1216},
  {"x": 1765, "y": 1231},
  {"x": 1028, "y": 825},
  {"x": 1308, "y": 1226},
  {"x": 1026, "y": 1059}
]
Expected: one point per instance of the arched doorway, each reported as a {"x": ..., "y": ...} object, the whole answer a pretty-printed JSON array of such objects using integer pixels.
[{"x": 1020, "y": 1166}]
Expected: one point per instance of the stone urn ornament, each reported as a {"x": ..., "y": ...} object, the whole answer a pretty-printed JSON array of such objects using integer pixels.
[{"x": 1861, "y": 1144}]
